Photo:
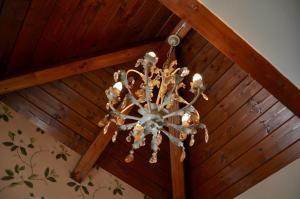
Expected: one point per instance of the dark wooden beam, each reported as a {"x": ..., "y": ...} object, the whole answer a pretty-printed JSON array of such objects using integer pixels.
[
  {"x": 77, "y": 67},
  {"x": 177, "y": 167},
  {"x": 238, "y": 50},
  {"x": 88, "y": 160}
]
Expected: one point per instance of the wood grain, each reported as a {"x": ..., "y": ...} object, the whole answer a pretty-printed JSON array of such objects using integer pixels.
[
  {"x": 237, "y": 49},
  {"x": 74, "y": 68}
]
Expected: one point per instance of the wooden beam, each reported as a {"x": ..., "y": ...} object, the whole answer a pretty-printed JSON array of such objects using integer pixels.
[
  {"x": 88, "y": 160},
  {"x": 239, "y": 51},
  {"x": 77, "y": 67},
  {"x": 177, "y": 167}
]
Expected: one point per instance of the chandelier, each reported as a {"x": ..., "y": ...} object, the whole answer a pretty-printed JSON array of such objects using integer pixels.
[{"x": 157, "y": 100}]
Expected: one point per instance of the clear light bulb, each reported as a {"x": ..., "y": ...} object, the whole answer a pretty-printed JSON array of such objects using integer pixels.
[
  {"x": 185, "y": 118},
  {"x": 152, "y": 54},
  {"x": 118, "y": 85},
  {"x": 197, "y": 77}
]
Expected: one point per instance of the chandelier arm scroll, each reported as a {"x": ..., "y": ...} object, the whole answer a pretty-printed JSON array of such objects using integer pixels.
[
  {"x": 182, "y": 110},
  {"x": 147, "y": 88},
  {"x": 131, "y": 96},
  {"x": 123, "y": 116}
]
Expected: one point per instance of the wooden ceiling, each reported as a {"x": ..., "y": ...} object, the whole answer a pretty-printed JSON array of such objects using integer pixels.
[
  {"x": 252, "y": 134},
  {"x": 39, "y": 34}
]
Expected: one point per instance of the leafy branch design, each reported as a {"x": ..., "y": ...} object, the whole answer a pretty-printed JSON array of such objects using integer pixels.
[
  {"x": 5, "y": 115},
  {"x": 62, "y": 153},
  {"x": 21, "y": 149},
  {"x": 82, "y": 188}
]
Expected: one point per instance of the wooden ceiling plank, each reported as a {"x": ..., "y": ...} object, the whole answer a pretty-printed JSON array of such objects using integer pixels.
[
  {"x": 30, "y": 34},
  {"x": 241, "y": 143},
  {"x": 239, "y": 51},
  {"x": 60, "y": 112},
  {"x": 230, "y": 104},
  {"x": 77, "y": 67},
  {"x": 140, "y": 164},
  {"x": 127, "y": 174},
  {"x": 50, "y": 41},
  {"x": 220, "y": 88},
  {"x": 88, "y": 90},
  {"x": 73, "y": 100},
  {"x": 44, "y": 121},
  {"x": 89, "y": 42},
  {"x": 12, "y": 16},
  {"x": 250, "y": 111},
  {"x": 284, "y": 158},
  {"x": 283, "y": 137}
]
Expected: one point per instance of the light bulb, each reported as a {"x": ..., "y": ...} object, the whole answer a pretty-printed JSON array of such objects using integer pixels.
[
  {"x": 185, "y": 118},
  {"x": 152, "y": 54},
  {"x": 118, "y": 86},
  {"x": 197, "y": 77}
]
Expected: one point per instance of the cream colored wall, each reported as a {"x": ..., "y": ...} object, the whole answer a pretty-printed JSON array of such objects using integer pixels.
[
  {"x": 35, "y": 165},
  {"x": 284, "y": 184},
  {"x": 272, "y": 27}
]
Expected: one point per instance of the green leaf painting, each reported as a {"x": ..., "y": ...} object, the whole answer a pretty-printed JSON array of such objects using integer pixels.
[{"x": 30, "y": 172}]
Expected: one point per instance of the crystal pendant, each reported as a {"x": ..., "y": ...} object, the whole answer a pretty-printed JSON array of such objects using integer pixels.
[
  {"x": 153, "y": 158},
  {"x": 119, "y": 121},
  {"x": 182, "y": 157},
  {"x": 130, "y": 157},
  {"x": 124, "y": 103},
  {"x": 158, "y": 139},
  {"x": 114, "y": 137},
  {"x": 206, "y": 135},
  {"x": 107, "y": 106},
  {"x": 128, "y": 138},
  {"x": 116, "y": 76},
  {"x": 192, "y": 141},
  {"x": 182, "y": 136},
  {"x": 204, "y": 96},
  {"x": 105, "y": 129}
]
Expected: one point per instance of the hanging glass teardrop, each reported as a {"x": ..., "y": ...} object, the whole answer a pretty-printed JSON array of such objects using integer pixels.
[
  {"x": 182, "y": 157},
  {"x": 153, "y": 158},
  {"x": 116, "y": 76},
  {"x": 206, "y": 135},
  {"x": 192, "y": 141},
  {"x": 182, "y": 136},
  {"x": 130, "y": 157},
  {"x": 114, "y": 137},
  {"x": 107, "y": 106},
  {"x": 105, "y": 128},
  {"x": 158, "y": 139}
]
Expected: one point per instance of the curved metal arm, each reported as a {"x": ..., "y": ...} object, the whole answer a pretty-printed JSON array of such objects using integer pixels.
[
  {"x": 183, "y": 109},
  {"x": 115, "y": 111}
]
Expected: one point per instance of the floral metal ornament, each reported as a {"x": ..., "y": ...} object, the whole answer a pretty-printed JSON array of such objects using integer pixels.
[{"x": 154, "y": 98}]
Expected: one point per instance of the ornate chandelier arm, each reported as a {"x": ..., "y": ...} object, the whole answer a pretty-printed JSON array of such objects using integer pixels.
[
  {"x": 125, "y": 127},
  {"x": 147, "y": 88},
  {"x": 123, "y": 116},
  {"x": 167, "y": 99},
  {"x": 134, "y": 71},
  {"x": 179, "y": 128},
  {"x": 182, "y": 110},
  {"x": 173, "y": 139},
  {"x": 131, "y": 96}
]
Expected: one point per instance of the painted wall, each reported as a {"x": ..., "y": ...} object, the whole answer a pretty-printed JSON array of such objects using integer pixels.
[
  {"x": 272, "y": 27},
  {"x": 34, "y": 165},
  {"x": 283, "y": 184}
]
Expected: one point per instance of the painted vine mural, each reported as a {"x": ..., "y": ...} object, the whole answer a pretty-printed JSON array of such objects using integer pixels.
[{"x": 34, "y": 165}]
